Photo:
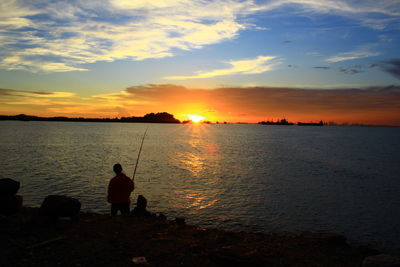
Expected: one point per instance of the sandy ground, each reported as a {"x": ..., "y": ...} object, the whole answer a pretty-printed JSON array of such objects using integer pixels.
[{"x": 27, "y": 239}]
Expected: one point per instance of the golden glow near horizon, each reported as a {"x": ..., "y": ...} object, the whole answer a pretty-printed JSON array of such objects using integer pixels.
[
  {"x": 233, "y": 104},
  {"x": 195, "y": 118}
]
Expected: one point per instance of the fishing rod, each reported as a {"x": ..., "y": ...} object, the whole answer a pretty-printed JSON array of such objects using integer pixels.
[{"x": 140, "y": 150}]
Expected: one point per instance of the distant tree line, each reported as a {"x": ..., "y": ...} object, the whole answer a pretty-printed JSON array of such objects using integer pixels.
[{"x": 162, "y": 117}]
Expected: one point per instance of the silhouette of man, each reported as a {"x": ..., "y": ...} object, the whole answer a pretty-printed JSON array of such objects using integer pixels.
[{"x": 119, "y": 191}]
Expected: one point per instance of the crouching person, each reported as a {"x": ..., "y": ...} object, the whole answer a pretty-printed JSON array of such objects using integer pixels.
[{"x": 140, "y": 209}]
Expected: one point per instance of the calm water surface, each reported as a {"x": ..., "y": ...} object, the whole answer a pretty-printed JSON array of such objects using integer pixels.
[{"x": 284, "y": 179}]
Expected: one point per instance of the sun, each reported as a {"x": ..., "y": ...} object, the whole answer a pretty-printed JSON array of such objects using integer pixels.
[{"x": 195, "y": 118}]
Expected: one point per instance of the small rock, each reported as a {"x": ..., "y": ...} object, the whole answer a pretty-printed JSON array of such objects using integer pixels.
[
  {"x": 331, "y": 238},
  {"x": 140, "y": 260},
  {"x": 180, "y": 221},
  {"x": 60, "y": 206},
  {"x": 226, "y": 238},
  {"x": 381, "y": 260},
  {"x": 162, "y": 217}
]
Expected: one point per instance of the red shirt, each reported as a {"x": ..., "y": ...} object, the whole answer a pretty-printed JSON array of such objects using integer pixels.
[{"x": 119, "y": 189}]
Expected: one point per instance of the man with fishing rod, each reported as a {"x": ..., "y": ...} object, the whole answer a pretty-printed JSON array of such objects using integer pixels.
[
  {"x": 121, "y": 186},
  {"x": 119, "y": 191}
]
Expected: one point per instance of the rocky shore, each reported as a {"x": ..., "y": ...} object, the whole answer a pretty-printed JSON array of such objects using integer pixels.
[{"x": 101, "y": 240}]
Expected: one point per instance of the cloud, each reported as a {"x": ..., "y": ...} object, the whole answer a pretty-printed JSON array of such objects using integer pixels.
[
  {"x": 248, "y": 66},
  {"x": 321, "y": 68},
  {"x": 55, "y": 94},
  {"x": 44, "y": 103},
  {"x": 360, "y": 52},
  {"x": 392, "y": 67},
  {"x": 355, "y": 69},
  {"x": 314, "y": 54},
  {"x": 374, "y": 14},
  {"x": 351, "y": 70},
  {"x": 60, "y": 36},
  {"x": 351, "y": 56},
  {"x": 35, "y": 94},
  {"x": 23, "y": 101},
  {"x": 351, "y": 7},
  {"x": 385, "y": 38}
]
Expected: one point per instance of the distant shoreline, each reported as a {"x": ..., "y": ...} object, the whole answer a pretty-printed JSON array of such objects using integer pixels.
[
  {"x": 162, "y": 117},
  {"x": 165, "y": 117}
]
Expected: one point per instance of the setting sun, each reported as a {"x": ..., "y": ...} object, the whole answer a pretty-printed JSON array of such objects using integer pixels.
[{"x": 195, "y": 118}]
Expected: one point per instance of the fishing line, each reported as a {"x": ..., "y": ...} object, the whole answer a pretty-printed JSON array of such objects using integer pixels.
[{"x": 140, "y": 150}]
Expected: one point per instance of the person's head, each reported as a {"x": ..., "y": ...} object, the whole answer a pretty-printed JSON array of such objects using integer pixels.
[
  {"x": 141, "y": 202},
  {"x": 117, "y": 168}
]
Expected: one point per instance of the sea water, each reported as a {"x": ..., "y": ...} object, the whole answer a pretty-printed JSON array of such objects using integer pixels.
[{"x": 283, "y": 179}]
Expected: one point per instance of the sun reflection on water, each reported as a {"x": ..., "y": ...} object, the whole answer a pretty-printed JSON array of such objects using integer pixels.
[
  {"x": 199, "y": 157},
  {"x": 194, "y": 200},
  {"x": 192, "y": 163}
]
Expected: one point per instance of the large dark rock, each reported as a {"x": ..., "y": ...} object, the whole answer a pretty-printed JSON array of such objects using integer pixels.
[
  {"x": 9, "y": 201},
  {"x": 8, "y": 187},
  {"x": 60, "y": 206}
]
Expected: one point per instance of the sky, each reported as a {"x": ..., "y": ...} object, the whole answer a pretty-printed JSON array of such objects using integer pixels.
[{"x": 225, "y": 60}]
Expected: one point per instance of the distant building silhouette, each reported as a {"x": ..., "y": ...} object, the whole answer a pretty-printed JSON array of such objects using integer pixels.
[
  {"x": 321, "y": 123},
  {"x": 278, "y": 122}
]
